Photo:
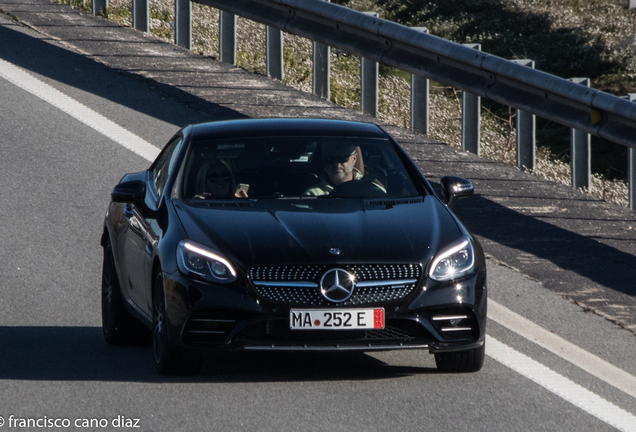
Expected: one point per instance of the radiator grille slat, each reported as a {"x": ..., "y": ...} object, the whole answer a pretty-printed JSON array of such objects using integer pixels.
[{"x": 394, "y": 282}]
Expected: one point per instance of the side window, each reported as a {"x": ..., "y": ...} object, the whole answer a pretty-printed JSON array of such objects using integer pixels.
[{"x": 163, "y": 167}]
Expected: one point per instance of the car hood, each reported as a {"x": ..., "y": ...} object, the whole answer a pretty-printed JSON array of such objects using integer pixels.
[{"x": 310, "y": 230}]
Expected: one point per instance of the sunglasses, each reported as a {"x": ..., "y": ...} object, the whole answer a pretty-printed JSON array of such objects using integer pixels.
[
  {"x": 218, "y": 178},
  {"x": 339, "y": 159}
]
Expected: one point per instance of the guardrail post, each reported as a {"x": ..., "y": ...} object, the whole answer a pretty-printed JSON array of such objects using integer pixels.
[
  {"x": 419, "y": 99},
  {"x": 525, "y": 124},
  {"x": 183, "y": 23},
  {"x": 321, "y": 70},
  {"x": 631, "y": 178},
  {"x": 274, "y": 52},
  {"x": 227, "y": 37},
  {"x": 369, "y": 71},
  {"x": 140, "y": 16},
  {"x": 100, "y": 7},
  {"x": 631, "y": 165},
  {"x": 580, "y": 151},
  {"x": 471, "y": 117}
]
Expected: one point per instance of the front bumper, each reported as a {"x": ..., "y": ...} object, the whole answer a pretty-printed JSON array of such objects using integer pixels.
[{"x": 206, "y": 318}]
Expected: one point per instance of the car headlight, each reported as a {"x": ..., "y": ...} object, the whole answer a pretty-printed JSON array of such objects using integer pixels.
[
  {"x": 195, "y": 260},
  {"x": 456, "y": 260}
]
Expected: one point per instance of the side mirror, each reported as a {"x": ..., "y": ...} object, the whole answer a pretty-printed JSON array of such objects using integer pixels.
[
  {"x": 455, "y": 188},
  {"x": 133, "y": 191}
]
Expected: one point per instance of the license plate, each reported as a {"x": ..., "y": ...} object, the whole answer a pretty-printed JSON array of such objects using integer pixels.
[{"x": 341, "y": 319}]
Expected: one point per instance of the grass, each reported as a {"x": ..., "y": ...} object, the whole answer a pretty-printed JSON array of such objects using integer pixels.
[
  {"x": 567, "y": 38},
  {"x": 77, "y": 4}
]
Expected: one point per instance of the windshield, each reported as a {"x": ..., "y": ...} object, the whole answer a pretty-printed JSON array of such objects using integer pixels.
[{"x": 295, "y": 167}]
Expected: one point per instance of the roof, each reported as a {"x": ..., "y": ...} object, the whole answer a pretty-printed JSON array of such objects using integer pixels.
[{"x": 285, "y": 127}]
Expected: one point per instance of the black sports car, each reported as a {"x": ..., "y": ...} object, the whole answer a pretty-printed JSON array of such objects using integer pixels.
[{"x": 291, "y": 234}]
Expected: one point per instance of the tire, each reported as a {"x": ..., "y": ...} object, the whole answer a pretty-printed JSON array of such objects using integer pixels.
[
  {"x": 119, "y": 327},
  {"x": 167, "y": 361},
  {"x": 461, "y": 361}
]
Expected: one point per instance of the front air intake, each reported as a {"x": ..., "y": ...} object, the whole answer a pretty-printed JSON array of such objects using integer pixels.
[
  {"x": 456, "y": 323},
  {"x": 208, "y": 328}
]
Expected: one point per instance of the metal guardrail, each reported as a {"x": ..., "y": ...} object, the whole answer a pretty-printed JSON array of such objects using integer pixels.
[
  {"x": 449, "y": 63},
  {"x": 478, "y": 74}
]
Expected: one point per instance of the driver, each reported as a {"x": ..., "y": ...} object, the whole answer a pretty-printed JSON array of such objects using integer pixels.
[{"x": 340, "y": 167}]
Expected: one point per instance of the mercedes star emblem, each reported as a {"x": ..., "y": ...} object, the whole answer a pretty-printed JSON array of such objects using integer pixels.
[{"x": 337, "y": 285}]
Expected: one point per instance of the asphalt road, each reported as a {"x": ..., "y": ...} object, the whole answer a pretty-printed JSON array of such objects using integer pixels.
[{"x": 56, "y": 174}]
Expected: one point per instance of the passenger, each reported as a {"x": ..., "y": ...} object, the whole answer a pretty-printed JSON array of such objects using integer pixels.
[
  {"x": 217, "y": 181},
  {"x": 343, "y": 163}
]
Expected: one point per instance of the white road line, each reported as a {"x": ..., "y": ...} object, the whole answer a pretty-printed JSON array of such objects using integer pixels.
[
  {"x": 520, "y": 363},
  {"x": 566, "y": 350},
  {"x": 561, "y": 386},
  {"x": 75, "y": 109}
]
